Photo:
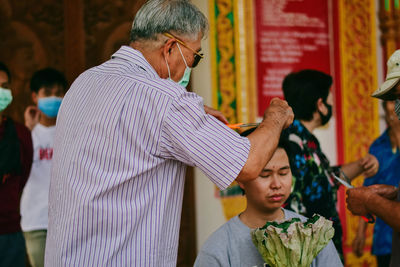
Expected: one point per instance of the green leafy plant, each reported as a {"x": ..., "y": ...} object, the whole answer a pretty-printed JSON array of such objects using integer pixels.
[{"x": 292, "y": 242}]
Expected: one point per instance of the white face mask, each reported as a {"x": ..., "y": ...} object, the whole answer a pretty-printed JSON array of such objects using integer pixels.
[
  {"x": 397, "y": 108},
  {"x": 184, "y": 81}
]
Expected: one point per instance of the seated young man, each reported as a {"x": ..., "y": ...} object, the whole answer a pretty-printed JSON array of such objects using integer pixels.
[{"x": 231, "y": 244}]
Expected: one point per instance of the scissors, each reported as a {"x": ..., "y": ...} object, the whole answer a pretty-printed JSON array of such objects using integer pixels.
[
  {"x": 368, "y": 218},
  {"x": 242, "y": 125}
]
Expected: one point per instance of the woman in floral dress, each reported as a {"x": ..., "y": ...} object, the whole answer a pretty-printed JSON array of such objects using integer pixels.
[{"x": 314, "y": 189}]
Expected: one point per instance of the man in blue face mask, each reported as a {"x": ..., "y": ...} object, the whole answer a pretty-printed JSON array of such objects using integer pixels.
[
  {"x": 15, "y": 164},
  {"x": 382, "y": 200},
  {"x": 48, "y": 87}
]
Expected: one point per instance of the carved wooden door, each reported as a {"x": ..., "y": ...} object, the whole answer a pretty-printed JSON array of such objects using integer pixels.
[{"x": 72, "y": 36}]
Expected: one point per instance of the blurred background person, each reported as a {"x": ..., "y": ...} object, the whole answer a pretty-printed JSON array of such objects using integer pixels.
[
  {"x": 383, "y": 200},
  {"x": 48, "y": 87},
  {"x": 15, "y": 164},
  {"x": 386, "y": 150},
  {"x": 314, "y": 189}
]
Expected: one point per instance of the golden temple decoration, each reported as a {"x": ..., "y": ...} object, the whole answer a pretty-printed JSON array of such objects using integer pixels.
[
  {"x": 389, "y": 24},
  {"x": 233, "y": 70},
  {"x": 360, "y": 111}
]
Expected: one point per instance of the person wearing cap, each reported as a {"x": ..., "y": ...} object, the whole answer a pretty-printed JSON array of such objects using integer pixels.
[
  {"x": 386, "y": 149},
  {"x": 382, "y": 200}
]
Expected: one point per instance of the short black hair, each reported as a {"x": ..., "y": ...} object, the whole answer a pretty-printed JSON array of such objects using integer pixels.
[
  {"x": 48, "y": 78},
  {"x": 283, "y": 141},
  {"x": 302, "y": 90},
  {"x": 4, "y": 68}
]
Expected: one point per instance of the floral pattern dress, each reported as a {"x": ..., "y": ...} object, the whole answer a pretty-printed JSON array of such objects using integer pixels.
[{"x": 313, "y": 188}]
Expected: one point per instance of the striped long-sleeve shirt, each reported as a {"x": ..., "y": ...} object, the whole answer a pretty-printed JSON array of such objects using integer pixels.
[{"x": 123, "y": 139}]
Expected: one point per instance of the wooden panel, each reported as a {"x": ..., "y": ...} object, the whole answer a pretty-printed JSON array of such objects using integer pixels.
[
  {"x": 32, "y": 38},
  {"x": 71, "y": 36},
  {"x": 74, "y": 39}
]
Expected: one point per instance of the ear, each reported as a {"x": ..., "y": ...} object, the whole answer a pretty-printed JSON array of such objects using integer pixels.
[
  {"x": 167, "y": 48},
  {"x": 321, "y": 107},
  {"x": 35, "y": 98}
]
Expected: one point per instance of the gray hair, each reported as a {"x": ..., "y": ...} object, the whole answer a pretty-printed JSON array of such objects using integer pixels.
[{"x": 160, "y": 16}]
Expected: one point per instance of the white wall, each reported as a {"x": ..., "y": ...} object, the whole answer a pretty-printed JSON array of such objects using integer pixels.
[{"x": 209, "y": 214}]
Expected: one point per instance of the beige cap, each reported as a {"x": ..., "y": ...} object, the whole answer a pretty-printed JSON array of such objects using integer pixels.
[{"x": 392, "y": 77}]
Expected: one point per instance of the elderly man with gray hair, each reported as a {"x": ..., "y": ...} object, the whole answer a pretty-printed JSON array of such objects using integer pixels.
[{"x": 126, "y": 131}]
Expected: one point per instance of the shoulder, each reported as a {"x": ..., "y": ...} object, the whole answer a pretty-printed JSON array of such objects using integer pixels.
[
  {"x": 214, "y": 252},
  {"x": 132, "y": 76},
  {"x": 222, "y": 246},
  {"x": 23, "y": 133},
  {"x": 219, "y": 240},
  {"x": 328, "y": 257},
  {"x": 381, "y": 140}
]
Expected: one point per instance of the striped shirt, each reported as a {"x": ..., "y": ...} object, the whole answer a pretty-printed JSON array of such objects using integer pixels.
[{"x": 123, "y": 139}]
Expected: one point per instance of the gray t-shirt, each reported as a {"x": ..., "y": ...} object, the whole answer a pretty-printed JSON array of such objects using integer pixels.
[{"x": 231, "y": 245}]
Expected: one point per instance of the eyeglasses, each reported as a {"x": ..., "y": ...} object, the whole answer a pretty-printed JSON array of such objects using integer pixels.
[{"x": 197, "y": 56}]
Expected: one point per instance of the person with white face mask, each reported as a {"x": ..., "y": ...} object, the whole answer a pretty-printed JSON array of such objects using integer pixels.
[
  {"x": 382, "y": 200},
  {"x": 15, "y": 164},
  {"x": 126, "y": 131}
]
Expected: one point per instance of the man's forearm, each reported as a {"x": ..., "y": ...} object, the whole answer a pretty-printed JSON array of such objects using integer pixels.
[
  {"x": 264, "y": 141},
  {"x": 387, "y": 210},
  {"x": 352, "y": 169}
]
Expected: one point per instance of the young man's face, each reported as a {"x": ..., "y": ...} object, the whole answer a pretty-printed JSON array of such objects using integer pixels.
[
  {"x": 272, "y": 187},
  {"x": 47, "y": 92}
]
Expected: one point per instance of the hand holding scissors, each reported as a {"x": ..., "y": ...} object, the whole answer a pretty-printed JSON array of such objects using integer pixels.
[{"x": 368, "y": 218}]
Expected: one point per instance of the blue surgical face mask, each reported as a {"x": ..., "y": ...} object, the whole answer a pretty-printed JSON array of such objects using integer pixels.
[
  {"x": 49, "y": 105},
  {"x": 184, "y": 81},
  {"x": 5, "y": 98}
]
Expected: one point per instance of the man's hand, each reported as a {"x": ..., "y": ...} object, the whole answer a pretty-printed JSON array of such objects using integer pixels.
[
  {"x": 216, "y": 113},
  {"x": 279, "y": 112},
  {"x": 357, "y": 199},
  {"x": 31, "y": 116},
  {"x": 370, "y": 165}
]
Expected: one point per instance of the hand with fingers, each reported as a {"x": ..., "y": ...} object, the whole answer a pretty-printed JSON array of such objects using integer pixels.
[
  {"x": 31, "y": 116},
  {"x": 279, "y": 113},
  {"x": 370, "y": 165}
]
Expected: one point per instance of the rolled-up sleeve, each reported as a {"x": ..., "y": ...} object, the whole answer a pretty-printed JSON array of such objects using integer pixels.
[{"x": 198, "y": 139}]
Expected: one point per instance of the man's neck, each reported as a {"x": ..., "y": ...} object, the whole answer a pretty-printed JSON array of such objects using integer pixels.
[
  {"x": 310, "y": 125},
  {"x": 46, "y": 121},
  {"x": 255, "y": 219},
  {"x": 154, "y": 59}
]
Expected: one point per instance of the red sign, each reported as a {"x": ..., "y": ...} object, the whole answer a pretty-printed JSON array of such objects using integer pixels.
[{"x": 290, "y": 35}]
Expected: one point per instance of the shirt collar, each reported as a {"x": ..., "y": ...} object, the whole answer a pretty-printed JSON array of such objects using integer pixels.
[{"x": 135, "y": 56}]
